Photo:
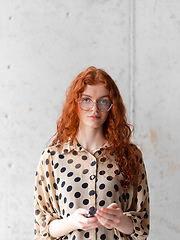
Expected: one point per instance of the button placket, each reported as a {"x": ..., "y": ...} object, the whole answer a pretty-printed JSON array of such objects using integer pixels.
[{"x": 92, "y": 189}]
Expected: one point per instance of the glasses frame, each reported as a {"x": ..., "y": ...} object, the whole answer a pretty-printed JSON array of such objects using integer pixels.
[{"x": 93, "y": 103}]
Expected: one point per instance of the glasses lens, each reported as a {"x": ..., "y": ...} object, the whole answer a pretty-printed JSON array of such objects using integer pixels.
[
  {"x": 86, "y": 104},
  {"x": 104, "y": 105}
]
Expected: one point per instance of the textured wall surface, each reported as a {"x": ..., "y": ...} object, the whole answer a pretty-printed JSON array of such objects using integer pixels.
[
  {"x": 157, "y": 109},
  {"x": 44, "y": 44}
]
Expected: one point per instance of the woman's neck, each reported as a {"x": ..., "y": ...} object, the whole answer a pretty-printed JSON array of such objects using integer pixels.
[{"x": 90, "y": 139}]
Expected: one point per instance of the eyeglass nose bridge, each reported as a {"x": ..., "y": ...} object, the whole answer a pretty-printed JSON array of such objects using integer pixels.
[{"x": 95, "y": 104}]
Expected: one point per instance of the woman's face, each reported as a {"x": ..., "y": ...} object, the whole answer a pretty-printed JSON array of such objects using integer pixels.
[{"x": 93, "y": 118}]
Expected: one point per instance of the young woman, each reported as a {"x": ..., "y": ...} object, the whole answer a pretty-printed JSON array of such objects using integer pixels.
[{"x": 91, "y": 182}]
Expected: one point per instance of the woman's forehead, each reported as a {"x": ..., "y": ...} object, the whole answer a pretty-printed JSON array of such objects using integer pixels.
[{"x": 97, "y": 90}]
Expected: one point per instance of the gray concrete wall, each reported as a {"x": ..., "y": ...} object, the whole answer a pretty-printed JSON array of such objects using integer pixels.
[{"x": 44, "y": 44}]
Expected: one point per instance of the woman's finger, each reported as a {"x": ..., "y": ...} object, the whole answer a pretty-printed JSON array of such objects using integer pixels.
[{"x": 113, "y": 205}]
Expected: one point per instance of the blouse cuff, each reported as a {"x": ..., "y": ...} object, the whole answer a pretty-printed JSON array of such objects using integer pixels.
[{"x": 138, "y": 232}]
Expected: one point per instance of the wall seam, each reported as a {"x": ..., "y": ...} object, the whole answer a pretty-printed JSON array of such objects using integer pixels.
[{"x": 131, "y": 57}]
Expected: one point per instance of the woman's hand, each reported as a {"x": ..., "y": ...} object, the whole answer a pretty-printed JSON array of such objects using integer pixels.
[
  {"x": 109, "y": 217},
  {"x": 113, "y": 217},
  {"x": 79, "y": 220}
]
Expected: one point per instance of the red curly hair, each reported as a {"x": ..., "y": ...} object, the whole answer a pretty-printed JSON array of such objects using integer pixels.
[{"x": 116, "y": 129}]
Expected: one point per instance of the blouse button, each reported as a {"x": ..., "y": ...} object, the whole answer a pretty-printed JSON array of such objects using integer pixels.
[{"x": 92, "y": 177}]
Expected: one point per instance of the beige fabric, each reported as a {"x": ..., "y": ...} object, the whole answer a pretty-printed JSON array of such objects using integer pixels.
[{"x": 70, "y": 177}]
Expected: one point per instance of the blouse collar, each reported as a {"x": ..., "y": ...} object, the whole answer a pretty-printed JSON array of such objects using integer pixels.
[{"x": 75, "y": 146}]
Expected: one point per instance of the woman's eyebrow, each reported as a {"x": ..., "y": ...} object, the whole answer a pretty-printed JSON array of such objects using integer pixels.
[{"x": 91, "y": 96}]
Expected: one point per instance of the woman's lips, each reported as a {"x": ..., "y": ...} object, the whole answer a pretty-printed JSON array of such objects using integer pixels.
[{"x": 94, "y": 117}]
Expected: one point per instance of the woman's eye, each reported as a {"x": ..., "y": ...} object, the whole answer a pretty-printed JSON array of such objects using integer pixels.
[
  {"x": 103, "y": 102},
  {"x": 86, "y": 100}
]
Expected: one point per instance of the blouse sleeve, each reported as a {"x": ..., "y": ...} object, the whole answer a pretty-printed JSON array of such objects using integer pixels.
[
  {"x": 45, "y": 200},
  {"x": 138, "y": 207}
]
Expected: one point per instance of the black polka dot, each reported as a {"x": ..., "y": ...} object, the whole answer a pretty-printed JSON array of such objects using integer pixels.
[
  {"x": 53, "y": 153},
  {"x": 45, "y": 208},
  {"x": 137, "y": 228},
  {"x": 84, "y": 157},
  {"x": 47, "y": 161},
  {"x": 103, "y": 159},
  {"x": 37, "y": 212},
  {"x": 62, "y": 184},
  {"x": 101, "y": 203},
  {"x": 127, "y": 196},
  {"x": 56, "y": 165},
  {"x": 109, "y": 194},
  {"x": 102, "y": 172},
  {"x": 110, "y": 165},
  {"x": 85, "y": 171},
  {"x": 139, "y": 188},
  {"x": 60, "y": 196},
  {"x": 77, "y": 194},
  {"x": 103, "y": 236},
  {"x": 145, "y": 215},
  {"x": 75, "y": 153},
  {"x": 91, "y": 193},
  {"x": 102, "y": 186},
  {"x": 116, "y": 187},
  {"x": 93, "y": 163},
  {"x": 70, "y": 161},
  {"x": 77, "y": 179},
  {"x": 40, "y": 197},
  {"x": 55, "y": 186},
  {"x": 99, "y": 152},
  {"x": 65, "y": 150},
  {"x": 109, "y": 178},
  {"x": 61, "y": 156},
  {"x": 84, "y": 185},
  {"x": 65, "y": 200},
  {"x": 69, "y": 188},
  {"x": 58, "y": 180},
  {"x": 85, "y": 201},
  {"x": 70, "y": 174},
  {"x": 63, "y": 212},
  {"x": 86, "y": 235},
  {"x": 63, "y": 169},
  {"x": 47, "y": 174},
  {"x": 78, "y": 166},
  {"x": 71, "y": 205},
  {"x": 74, "y": 237}
]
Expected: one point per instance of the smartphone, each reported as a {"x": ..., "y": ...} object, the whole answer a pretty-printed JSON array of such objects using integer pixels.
[{"x": 90, "y": 213}]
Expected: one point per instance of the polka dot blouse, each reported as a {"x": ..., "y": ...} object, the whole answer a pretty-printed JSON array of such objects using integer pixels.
[{"x": 70, "y": 177}]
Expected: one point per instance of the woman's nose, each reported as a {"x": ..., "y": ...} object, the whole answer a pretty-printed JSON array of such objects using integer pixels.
[{"x": 95, "y": 107}]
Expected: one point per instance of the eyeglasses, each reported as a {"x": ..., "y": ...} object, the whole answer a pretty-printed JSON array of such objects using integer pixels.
[{"x": 87, "y": 104}]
